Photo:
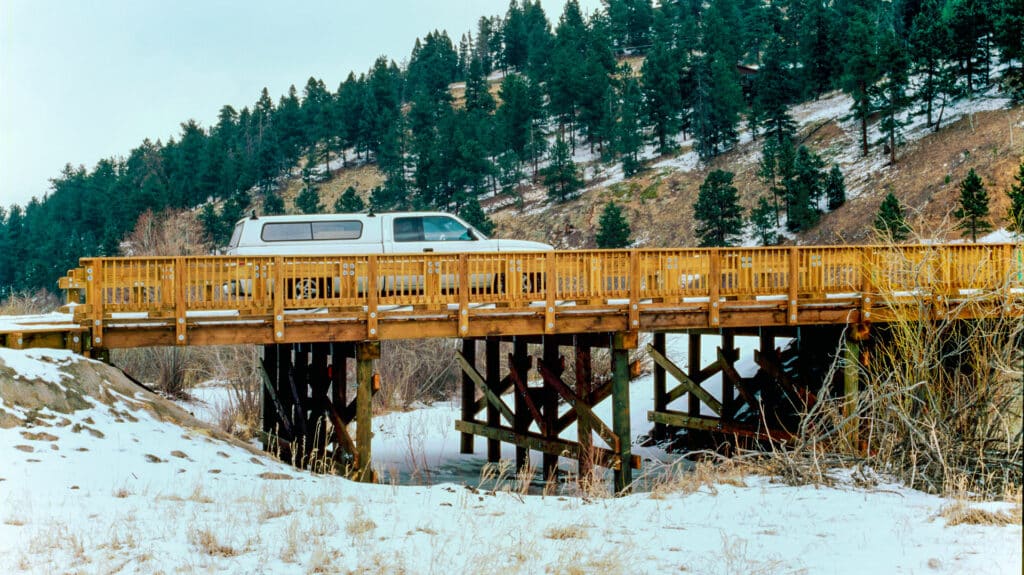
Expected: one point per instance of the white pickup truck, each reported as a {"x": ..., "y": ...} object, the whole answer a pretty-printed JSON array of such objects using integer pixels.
[
  {"x": 357, "y": 234},
  {"x": 364, "y": 234}
]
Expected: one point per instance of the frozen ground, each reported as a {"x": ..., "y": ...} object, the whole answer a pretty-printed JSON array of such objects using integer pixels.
[{"x": 118, "y": 488}]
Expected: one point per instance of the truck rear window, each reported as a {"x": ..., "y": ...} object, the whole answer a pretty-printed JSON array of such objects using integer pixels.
[{"x": 310, "y": 231}]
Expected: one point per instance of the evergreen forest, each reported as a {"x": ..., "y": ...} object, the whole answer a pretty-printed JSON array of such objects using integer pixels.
[{"x": 535, "y": 88}]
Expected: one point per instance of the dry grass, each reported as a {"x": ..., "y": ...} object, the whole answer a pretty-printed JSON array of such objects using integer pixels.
[
  {"x": 962, "y": 513},
  {"x": 359, "y": 525},
  {"x": 708, "y": 472},
  {"x": 207, "y": 542},
  {"x": 30, "y": 303},
  {"x": 566, "y": 532}
]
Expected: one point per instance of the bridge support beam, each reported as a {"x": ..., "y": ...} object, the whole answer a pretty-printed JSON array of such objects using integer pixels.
[
  {"x": 366, "y": 353},
  {"x": 305, "y": 409},
  {"x": 621, "y": 344},
  {"x": 538, "y": 405}
]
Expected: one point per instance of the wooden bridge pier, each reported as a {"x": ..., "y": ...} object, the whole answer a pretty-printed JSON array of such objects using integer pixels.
[
  {"x": 305, "y": 407},
  {"x": 762, "y": 407},
  {"x": 534, "y": 421}
]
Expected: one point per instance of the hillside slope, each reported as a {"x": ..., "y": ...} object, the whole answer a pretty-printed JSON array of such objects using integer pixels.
[{"x": 984, "y": 135}]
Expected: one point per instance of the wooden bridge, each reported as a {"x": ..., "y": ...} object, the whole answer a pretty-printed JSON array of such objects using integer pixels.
[{"x": 312, "y": 312}]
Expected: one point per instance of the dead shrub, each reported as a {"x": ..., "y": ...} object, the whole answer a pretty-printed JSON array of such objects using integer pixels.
[
  {"x": 169, "y": 370},
  {"x": 30, "y": 303},
  {"x": 416, "y": 370},
  {"x": 939, "y": 405},
  {"x": 238, "y": 368}
]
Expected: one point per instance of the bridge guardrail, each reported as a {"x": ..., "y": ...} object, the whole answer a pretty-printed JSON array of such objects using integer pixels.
[{"x": 171, "y": 287}]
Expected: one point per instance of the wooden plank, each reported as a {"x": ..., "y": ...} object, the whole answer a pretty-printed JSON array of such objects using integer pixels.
[
  {"x": 492, "y": 399},
  {"x": 556, "y": 446},
  {"x": 686, "y": 385},
  {"x": 677, "y": 419}
]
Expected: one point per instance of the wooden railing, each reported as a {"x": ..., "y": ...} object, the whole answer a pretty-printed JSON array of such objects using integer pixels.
[{"x": 179, "y": 289}]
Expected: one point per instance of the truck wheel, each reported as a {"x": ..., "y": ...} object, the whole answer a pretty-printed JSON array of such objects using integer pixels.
[{"x": 306, "y": 288}]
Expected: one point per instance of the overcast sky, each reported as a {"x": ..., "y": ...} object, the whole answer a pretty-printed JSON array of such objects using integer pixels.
[{"x": 81, "y": 81}]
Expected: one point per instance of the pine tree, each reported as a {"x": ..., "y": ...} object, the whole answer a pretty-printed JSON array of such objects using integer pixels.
[
  {"x": 929, "y": 47},
  {"x": 629, "y": 139},
  {"x": 803, "y": 187},
  {"x": 1016, "y": 211},
  {"x": 973, "y": 211},
  {"x": 273, "y": 204},
  {"x": 660, "y": 79},
  {"x": 349, "y": 202},
  {"x": 835, "y": 188},
  {"x": 561, "y": 176},
  {"x": 774, "y": 90},
  {"x": 861, "y": 70},
  {"x": 474, "y": 215},
  {"x": 210, "y": 220},
  {"x": 890, "y": 221},
  {"x": 613, "y": 228},
  {"x": 718, "y": 211},
  {"x": 889, "y": 96},
  {"x": 308, "y": 199},
  {"x": 763, "y": 218}
]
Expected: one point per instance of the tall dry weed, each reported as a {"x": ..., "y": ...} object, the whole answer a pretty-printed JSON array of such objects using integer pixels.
[
  {"x": 939, "y": 405},
  {"x": 29, "y": 303}
]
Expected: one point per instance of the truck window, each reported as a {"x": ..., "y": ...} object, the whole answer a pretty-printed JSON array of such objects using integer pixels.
[
  {"x": 340, "y": 230},
  {"x": 408, "y": 229},
  {"x": 290, "y": 231},
  {"x": 443, "y": 229}
]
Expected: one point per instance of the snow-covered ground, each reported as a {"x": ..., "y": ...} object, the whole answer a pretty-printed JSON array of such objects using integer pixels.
[{"x": 120, "y": 487}]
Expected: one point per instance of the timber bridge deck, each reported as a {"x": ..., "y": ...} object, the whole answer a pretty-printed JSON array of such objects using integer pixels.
[{"x": 313, "y": 311}]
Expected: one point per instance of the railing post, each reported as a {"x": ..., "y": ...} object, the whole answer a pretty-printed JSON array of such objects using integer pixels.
[
  {"x": 867, "y": 287},
  {"x": 372, "y": 294},
  {"x": 180, "y": 307},
  {"x": 714, "y": 283},
  {"x": 464, "y": 289},
  {"x": 279, "y": 298},
  {"x": 792, "y": 310},
  {"x": 94, "y": 279},
  {"x": 634, "y": 290},
  {"x": 550, "y": 283}
]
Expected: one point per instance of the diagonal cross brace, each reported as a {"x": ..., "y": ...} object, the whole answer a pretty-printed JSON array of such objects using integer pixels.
[
  {"x": 686, "y": 385},
  {"x": 524, "y": 391},
  {"x": 741, "y": 386},
  {"x": 477, "y": 379},
  {"x": 582, "y": 409}
]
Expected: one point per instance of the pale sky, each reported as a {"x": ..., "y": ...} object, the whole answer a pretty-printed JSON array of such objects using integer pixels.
[{"x": 81, "y": 81}]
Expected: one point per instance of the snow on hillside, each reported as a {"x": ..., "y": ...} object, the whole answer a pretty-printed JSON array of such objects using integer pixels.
[{"x": 117, "y": 481}]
